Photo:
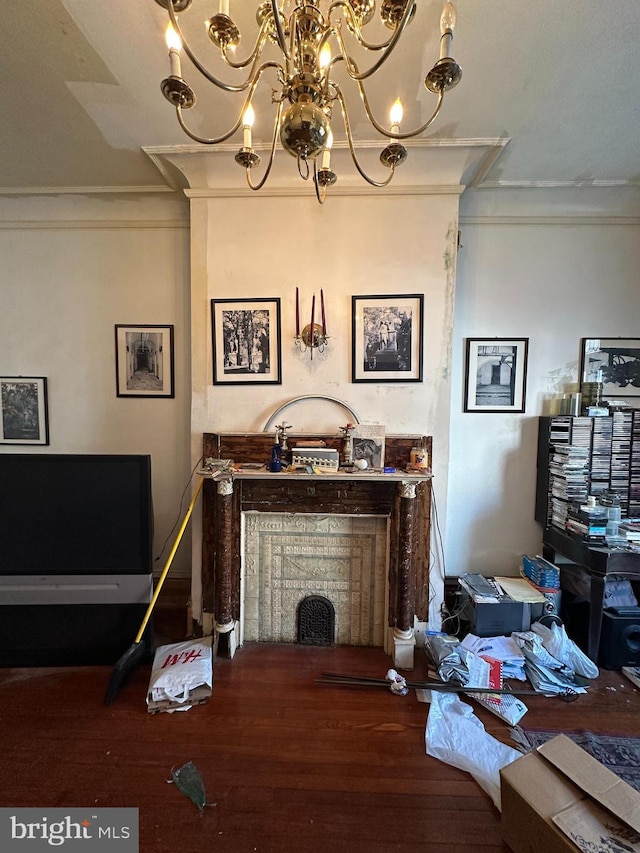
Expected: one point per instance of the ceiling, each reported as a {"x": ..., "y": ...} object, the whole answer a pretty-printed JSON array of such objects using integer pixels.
[{"x": 549, "y": 97}]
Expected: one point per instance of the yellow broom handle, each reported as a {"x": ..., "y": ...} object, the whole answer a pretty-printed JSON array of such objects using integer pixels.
[{"x": 165, "y": 571}]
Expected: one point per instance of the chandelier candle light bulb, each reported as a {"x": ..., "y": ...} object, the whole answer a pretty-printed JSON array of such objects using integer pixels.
[
  {"x": 175, "y": 46},
  {"x": 395, "y": 114},
  {"x": 447, "y": 25},
  {"x": 325, "y": 57},
  {"x": 247, "y": 122},
  {"x": 326, "y": 154}
]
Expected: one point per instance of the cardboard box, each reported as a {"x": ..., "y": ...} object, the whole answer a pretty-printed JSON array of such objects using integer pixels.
[{"x": 561, "y": 783}]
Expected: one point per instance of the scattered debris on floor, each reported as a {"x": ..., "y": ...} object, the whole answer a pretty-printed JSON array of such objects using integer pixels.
[{"x": 188, "y": 780}]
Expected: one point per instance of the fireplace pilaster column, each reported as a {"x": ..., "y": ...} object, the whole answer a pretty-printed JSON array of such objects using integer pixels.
[
  {"x": 404, "y": 640},
  {"x": 223, "y": 615}
]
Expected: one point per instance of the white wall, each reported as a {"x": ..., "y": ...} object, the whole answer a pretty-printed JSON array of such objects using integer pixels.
[
  {"x": 72, "y": 269},
  {"x": 555, "y": 281},
  {"x": 352, "y": 245}
]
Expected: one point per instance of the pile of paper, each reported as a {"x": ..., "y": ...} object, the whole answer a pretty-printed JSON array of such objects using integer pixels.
[
  {"x": 503, "y": 649},
  {"x": 546, "y": 674}
]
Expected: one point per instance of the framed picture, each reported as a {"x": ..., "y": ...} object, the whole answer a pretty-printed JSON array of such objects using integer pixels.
[
  {"x": 386, "y": 338},
  {"x": 144, "y": 361},
  {"x": 496, "y": 374},
  {"x": 246, "y": 341},
  {"x": 615, "y": 362},
  {"x": 24, "y": 416},
  {"x": 368, "y": 443}
]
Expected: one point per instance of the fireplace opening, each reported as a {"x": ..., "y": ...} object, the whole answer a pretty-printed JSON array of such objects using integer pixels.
[{"x": 316, "y": 621}]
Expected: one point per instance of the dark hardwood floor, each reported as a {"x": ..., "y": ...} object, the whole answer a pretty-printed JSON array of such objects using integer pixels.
[{"x": 292, "y": 765}]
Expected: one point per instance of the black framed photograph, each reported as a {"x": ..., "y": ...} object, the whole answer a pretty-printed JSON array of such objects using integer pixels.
[
  {"x": 246, "y": 341},
  {"x": 24, "y": 414},
  {"x": 386, "y": 338},
  {"x": 496, "y": 374},
  {"x": 612, "y": 362},
  {"x": 144, "y": 361}
]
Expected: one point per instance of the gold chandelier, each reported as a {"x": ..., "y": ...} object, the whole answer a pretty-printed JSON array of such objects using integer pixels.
[{"x": 311, "y": 43}]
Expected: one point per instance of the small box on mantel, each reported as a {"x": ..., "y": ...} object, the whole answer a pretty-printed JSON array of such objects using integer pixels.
[{"x": 559, "y": 790}]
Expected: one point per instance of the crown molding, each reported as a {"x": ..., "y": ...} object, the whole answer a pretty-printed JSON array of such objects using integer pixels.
[
  {"x": 527, "y": 185},
  {"x": 132, "y": 190},
  {"x": 550, "y": 220},
  {"x": 344, "y": 192},
  {"x": 95, "y": 224}
]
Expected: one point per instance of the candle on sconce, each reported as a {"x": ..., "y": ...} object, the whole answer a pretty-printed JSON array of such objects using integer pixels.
[
  {"x": 297, "y": 314},
  {"x": 224, "y": 7},
  {"x": 313, "y": 311},
  {"x": 324, "y": 319}
]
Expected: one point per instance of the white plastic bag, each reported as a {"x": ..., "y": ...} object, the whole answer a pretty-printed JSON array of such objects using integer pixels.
[
  {"x": 456, "y": 736},
  {"x": 181, "y": 675},
  {"x": 562, "y": 647}
]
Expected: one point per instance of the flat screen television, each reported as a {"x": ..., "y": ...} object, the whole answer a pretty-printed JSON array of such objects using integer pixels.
[
  {"x": 76, "y": 556},
  {"x": 75, "y": 514}
]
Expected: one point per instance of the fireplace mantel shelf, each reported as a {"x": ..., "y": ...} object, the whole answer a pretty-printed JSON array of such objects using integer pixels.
[{"x": 340, "y": 475}]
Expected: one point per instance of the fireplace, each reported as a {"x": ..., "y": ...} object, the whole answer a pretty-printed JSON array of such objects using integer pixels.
[{"x": 250, "y": 596}]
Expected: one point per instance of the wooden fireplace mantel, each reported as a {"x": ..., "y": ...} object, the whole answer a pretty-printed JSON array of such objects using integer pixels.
[{"x": 404, "y": 496}]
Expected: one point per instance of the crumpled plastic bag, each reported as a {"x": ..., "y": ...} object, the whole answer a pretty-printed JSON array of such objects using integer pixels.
[
  {"x": 562, "y": 647},
  {"x": 443, "y": 652},
  {"x": 456, "y": 736}
]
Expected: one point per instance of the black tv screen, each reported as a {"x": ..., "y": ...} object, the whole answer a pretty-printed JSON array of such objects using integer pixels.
[{"x": 75, "y": 514}]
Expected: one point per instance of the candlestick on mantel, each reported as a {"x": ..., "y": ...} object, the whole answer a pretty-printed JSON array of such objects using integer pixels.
[
  {"x": 297, "y": 313},
  {"x": 324, "y": 319}
]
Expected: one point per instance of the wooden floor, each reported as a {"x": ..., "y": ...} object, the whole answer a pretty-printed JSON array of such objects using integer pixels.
[{"x": 291, "y": 765}]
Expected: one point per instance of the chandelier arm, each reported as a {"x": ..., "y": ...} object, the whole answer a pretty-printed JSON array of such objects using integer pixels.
[
  {"x": 358, "y": 32},
  {"x": 255, "y": 54},
  {"x": 217, "y": 139},
  {"x": 405, "y": 134},
  {"x": 282, "y": 41},
  {"x": 204, "y": 71},
  {"x": 347, "y": 127},
  {"x": 276, "y": 127},
  {"x": 352, "y": 68},
  {"x": 203, "y": 139}
]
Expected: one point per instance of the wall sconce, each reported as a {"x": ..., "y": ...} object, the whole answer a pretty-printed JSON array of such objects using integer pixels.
[{"x": 313, "y": 335}]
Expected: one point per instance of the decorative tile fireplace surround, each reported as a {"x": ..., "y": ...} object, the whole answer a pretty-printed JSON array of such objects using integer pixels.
[
  {"x": 287, "y": 558},
  {"x": 359, "y": 541}
]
